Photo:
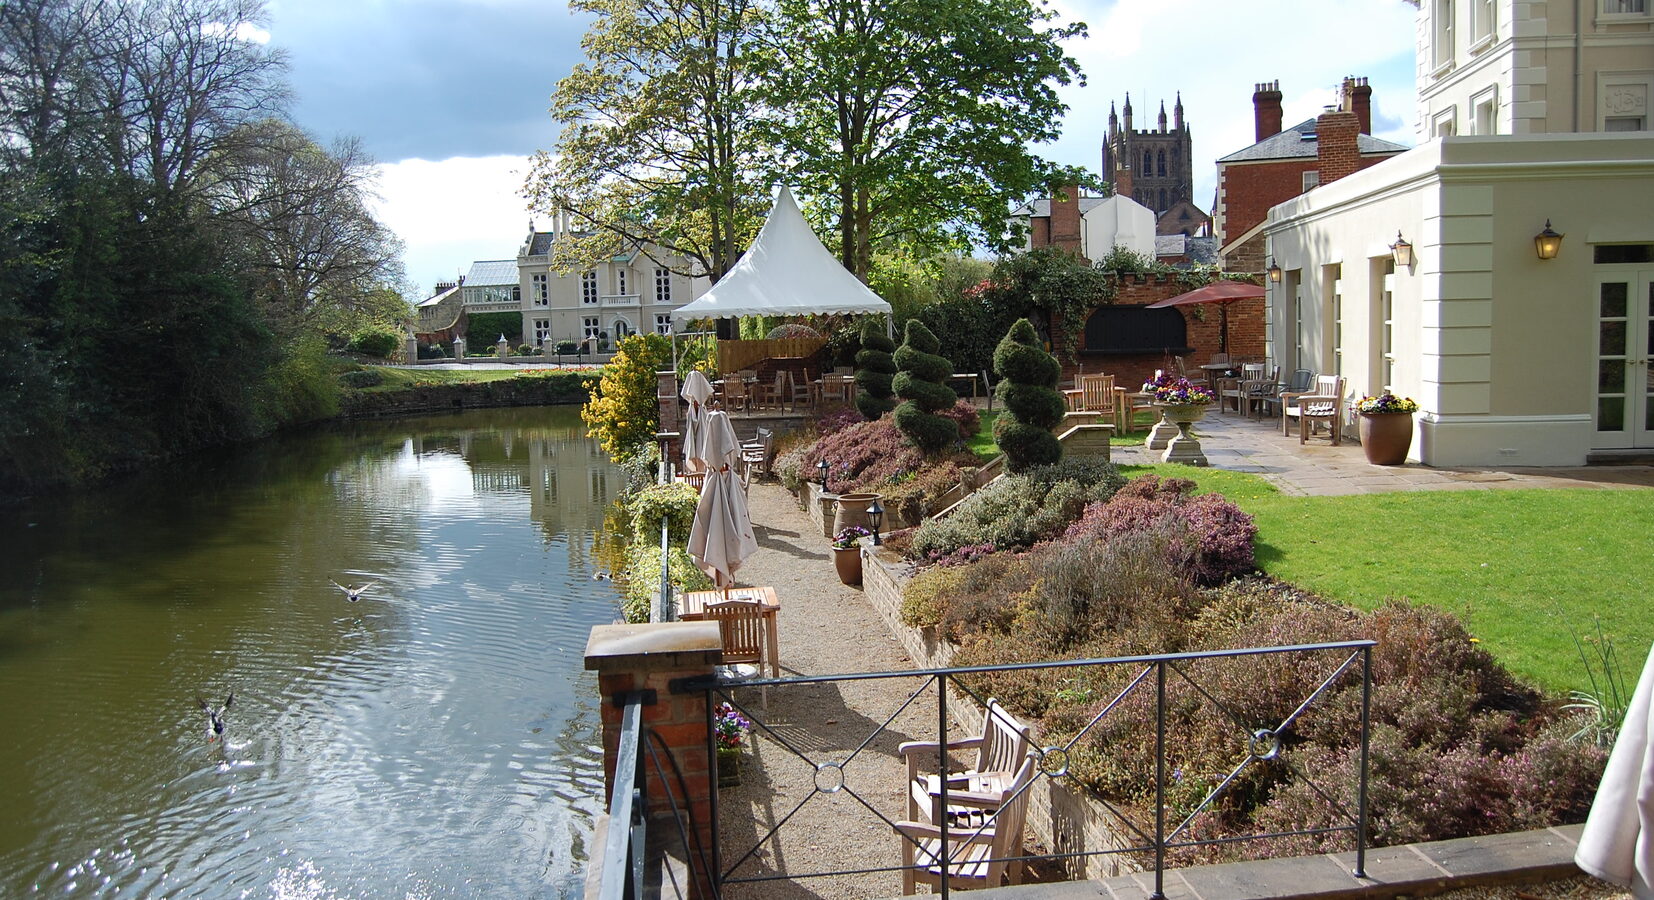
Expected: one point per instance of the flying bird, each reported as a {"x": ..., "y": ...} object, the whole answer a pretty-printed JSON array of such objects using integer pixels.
[
  {"x": 354, "y": 594},
  {"x": 215, "y": 715}
]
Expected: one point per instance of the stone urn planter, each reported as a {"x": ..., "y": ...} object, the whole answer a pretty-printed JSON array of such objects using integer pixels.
[
  {"x": 847, "y": 560},
  {"x": 1183, "y": 447},
  {"x": 851, "y": 509},
  {"x": 1386, "y": 437}
]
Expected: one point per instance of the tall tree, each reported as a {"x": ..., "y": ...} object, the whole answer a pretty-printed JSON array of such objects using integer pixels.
[
  {"x": 910, "y": 119},
  {"x": 658, "y": 147}
]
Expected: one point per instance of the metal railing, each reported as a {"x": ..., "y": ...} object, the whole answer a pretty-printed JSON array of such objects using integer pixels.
[
  {"x": 1145, "y": 839},
  {"x": 623, "y": 847}
]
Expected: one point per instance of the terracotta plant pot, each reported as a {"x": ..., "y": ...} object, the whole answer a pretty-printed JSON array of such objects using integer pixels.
[
  {"x": 848, "y": 563},
  {"x": 852, "y": 510},
  {"x": 1386, "y": 437}
]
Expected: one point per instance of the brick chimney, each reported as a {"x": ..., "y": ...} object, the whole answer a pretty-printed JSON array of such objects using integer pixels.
[
  {"x": 1336, "y": 151},
  {"x": 1065, "y": 218},
  {"x": 1123, "y": 186},
  {"x": 1266, "y": 109},
  {"x": 1357, "y": 97}
]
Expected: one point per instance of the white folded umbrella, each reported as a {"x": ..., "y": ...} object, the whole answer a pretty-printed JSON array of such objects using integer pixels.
[
  {"x": 698, "y": 391},
  {"x": 1618, "y": 842},
  {"x": 721, "y": 537}
]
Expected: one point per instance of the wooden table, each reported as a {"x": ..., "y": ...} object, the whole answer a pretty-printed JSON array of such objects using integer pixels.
[{"x": 692, "y": 608}]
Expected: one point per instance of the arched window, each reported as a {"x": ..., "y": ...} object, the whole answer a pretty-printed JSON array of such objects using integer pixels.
[
  {"x": 1162, "y": 169},
  {"x": 1135, "y": 329},
  {"x": 1148, "y": 164}
]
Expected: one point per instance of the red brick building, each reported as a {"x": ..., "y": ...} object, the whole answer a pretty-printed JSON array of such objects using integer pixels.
[
  {"x": 1285, "y": 163},
  {"x": 1128, "y": 341}
]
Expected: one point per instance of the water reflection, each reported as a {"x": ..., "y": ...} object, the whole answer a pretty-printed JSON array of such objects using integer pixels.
[{"x": 437, "y": 739}]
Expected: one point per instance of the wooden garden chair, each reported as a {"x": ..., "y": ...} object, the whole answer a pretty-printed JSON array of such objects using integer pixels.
[
  {"x": 999, "y": 750},
  {"x": 742, "y": 629},
  {"x": 979, "y": 855},
  {"x": 1097, "y": 395},
  {"x": 735, "y": 393},
  {"x": 1318, "y": 407}
]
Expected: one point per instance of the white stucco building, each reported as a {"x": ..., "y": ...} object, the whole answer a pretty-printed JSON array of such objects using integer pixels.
[
  {"x": 624, "y": 295},
  {"x": 1104, "y": 223},
  {"x": 1514, "y": 359}
]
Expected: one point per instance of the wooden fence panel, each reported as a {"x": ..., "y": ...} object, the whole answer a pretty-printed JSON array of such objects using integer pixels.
[{"x": 733, "y": 355}]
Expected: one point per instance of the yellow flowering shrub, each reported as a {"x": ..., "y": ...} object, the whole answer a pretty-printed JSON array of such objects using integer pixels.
[{"x": 622, "y": 413}]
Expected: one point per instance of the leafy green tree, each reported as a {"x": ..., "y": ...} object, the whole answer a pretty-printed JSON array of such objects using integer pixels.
[
  {"x": 658, "y": 148},
  {"x": 623, "y": 414},
  {"x": 922, "y": 385},
  {"x": 876, "y": 369},
  {"x": 910, "y": 119},
  {"x": 1028, "y": 389}
]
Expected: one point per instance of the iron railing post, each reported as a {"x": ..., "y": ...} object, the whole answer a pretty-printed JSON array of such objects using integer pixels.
[
  {"x": 668, "y": 603},
  {"x": 942, "y": 770},
  {"x": 1159, "y": 781},
  {"x": 624, "y": 804},
  {"x": 716, "y": 876},
  {"x": 1366, "y": 731}
]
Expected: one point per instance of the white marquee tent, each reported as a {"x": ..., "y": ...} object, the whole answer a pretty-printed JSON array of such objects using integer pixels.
[{"x": 786, "y": 272}]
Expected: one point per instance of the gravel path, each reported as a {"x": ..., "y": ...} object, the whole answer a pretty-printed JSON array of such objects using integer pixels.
[{"x": 826, "y": 628}]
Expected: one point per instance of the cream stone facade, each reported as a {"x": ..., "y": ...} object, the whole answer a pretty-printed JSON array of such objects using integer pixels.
[
  {"x": 1515, "y": 360},
  {"x": 628, "y": 294}
]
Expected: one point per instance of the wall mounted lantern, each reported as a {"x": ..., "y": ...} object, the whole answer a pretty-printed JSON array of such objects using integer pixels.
[
  {"x": 1274, "y": 271},
  {"x": 1402, "y": 252},
  {"x": 875, "y": 516},
  {"x": 821, "y": 469},
  {"x": 1547, "y": 243}
]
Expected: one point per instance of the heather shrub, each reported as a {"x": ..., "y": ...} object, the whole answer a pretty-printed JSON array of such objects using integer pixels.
[
  {"x": 913, "y": 496},
  {"x": 1033, "y": 406},
  {"x": 836, "y": 420},
  {"x": 790, "y": 448},
  {"x": 875, "y": 456},
  {"x": 1215, "y": 540},
  {"x": 1018, "y": 511},
  {"x": 965, "y": 416},
  {"x": 876, "y": 368},
  {"x": 921, "y": 382}
]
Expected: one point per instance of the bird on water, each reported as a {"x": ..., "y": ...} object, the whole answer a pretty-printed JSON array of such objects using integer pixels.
[
  {"x": 354, "y": 594},
  {"x": 215, "y": 715}
]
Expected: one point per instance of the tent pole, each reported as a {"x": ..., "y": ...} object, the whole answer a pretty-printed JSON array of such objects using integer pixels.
[
  {"x": 674, "y": 349},
  {"x": 890, "y": 325}
]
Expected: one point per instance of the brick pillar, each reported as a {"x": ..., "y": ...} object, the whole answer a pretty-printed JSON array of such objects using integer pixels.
[
  {"x": 1065, "y": 219},
  {"x": 630, "y": 658},
  {"x": 1336, "y": 151},
  {"x": 671, "y": 419}
]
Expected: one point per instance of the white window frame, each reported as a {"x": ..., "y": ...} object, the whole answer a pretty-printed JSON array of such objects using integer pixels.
[
  {"x": 620, "y": 282},
  {"x": 1487, "y": 100},
  {"x": 614, "y": 328},
  {"x": 663, "y": 285},
  {"x": 1618, "y": 98},
  {"x": 589, "y": 327},
  {"x": 1483, "y": 24},
  {"x": 542, "y": 289},
  {"x": 1441, "y": 37},
  {"x": 1621, "y": 10},
  {"x": 1445, "y": 123},
  {"x": 542, "y": 332},
  {"x": 588, "y": 288},
  {"x": 663, "y": 323},
  {"x": 1312, "y": 180}
]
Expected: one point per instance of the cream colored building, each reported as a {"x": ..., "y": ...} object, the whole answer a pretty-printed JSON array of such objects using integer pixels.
[
  {"x": 1515, "y": 360},
  {"x": 627, "y": 294}
]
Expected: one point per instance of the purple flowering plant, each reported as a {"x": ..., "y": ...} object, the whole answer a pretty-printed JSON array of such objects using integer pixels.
[
  {"x": 850, "y": 536},
  {"x": 1386, "y": 403},
  {"x": 1179, "y": 391},
  {"x": 730, "y": 727}
]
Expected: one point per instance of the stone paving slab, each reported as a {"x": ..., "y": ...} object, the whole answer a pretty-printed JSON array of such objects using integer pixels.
[{"x": 1413, "y": 870}]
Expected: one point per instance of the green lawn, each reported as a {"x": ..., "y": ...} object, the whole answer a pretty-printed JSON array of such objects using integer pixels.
[
  {"x": 983, "y": 444},
  {"x": 397, "y": 379},
  {"x": 1521, "y": 567}
]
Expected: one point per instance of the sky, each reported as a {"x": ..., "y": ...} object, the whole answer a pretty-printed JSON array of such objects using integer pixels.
[{"x": 451, "y": 96}]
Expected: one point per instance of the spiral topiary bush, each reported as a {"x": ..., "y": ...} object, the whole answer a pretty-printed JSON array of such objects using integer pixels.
[
  {"x": 1033, "y": 406},
  {"x": 876, "y": 369},
  {"x": 922, "y": 385}
]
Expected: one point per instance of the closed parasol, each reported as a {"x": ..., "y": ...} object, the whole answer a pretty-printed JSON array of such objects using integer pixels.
[
  {"x": 721, "y": 537},
  {"x": 698, "y": 391},
  {"x": 1617, "y": 844}
]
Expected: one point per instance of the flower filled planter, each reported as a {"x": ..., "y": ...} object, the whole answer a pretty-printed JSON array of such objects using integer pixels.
[
  {"x": 847, "y": 553},
  {"x": 1181, "y": 403},
  {"x": 1386, "y": 428},
  {"x": 729, "y": 730}
]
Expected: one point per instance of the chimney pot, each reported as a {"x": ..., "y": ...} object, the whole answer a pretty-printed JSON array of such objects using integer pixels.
[{"x": 1266, "y": 110}]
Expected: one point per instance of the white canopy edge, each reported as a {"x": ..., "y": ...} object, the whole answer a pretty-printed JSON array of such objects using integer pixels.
[{"x": 786, "y": 272}]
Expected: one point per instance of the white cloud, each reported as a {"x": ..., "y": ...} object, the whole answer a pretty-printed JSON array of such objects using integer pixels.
[
  {"x": 246, "y": 32},
  {"x": 1215, "y": 51},
  {"x": 454, "y": 211}
]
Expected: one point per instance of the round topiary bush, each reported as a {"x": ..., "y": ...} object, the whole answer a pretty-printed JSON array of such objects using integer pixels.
[
  {"x": 876, "y": 369},
  {"x": 922, "y": 385},
  {"x": 567, "y": 348},
  {"x": 790, "y": 331},
  {"x": 1033, "y": 406},
  {"x": 526, "y": 350}
]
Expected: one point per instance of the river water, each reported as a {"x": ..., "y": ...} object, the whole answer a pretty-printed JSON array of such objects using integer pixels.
[{"x": 436, "y": 739}]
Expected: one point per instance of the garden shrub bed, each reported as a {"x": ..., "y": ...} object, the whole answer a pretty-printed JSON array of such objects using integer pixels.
[
  {"x": 875, "y": 456},
  {"x": 1459, "y": 746}
]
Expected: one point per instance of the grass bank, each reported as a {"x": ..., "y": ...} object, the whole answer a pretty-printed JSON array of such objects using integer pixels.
[{"x": 1525, "y": 569}]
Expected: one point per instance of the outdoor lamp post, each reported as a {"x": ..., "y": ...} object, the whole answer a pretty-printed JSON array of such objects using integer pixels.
[
  {"x": 1547, "y": 243},
  {"x": 821, "y": 469},
  {"x": 875, "y": 515}
]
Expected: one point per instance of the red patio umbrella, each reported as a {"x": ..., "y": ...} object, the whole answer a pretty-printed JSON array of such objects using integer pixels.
[{"x": 1222, "y": 293}]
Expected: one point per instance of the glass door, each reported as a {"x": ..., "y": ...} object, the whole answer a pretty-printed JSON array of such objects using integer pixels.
[{"x": 1624, "y": 407}]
